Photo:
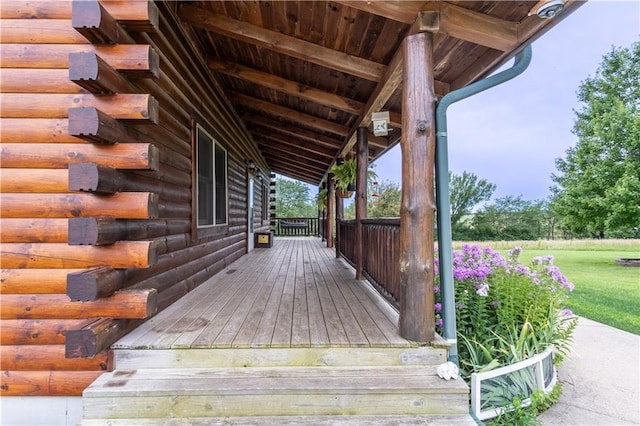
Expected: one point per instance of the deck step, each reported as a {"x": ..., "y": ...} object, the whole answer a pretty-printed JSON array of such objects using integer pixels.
[
  {"x": 379, "y": 420},
  {"x": 133, "y": 359},
  {"x": 212, "y": 393}
]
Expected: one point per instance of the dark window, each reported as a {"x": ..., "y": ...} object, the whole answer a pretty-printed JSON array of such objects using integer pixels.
[
  {"x": 221, "y": 185},
  {"x": 212, "y": 180},
  {"x": 265, "y": 202}
]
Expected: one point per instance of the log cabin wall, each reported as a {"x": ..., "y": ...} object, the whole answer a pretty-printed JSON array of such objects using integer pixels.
[{"x": 98, "y": 107}]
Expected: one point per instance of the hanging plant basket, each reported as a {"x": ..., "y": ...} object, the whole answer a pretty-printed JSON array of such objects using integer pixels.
[
  {"x": 343, "y": 193},
  {"x": 344, "y": 177}
]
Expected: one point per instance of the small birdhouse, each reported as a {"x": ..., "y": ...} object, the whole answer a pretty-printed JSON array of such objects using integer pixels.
[{"x": 380, "y": 122}]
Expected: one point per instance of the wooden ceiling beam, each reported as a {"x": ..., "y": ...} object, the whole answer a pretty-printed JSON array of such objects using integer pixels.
[
  {"x": 401, "y": 11},
  {"x": 294, "y": 142},
  {"x": 281, "y": 43},
  {"x": 286, "y": 164},
  {"x": 292, "y": 131},
  {"x": 288, "y": 114},
  {"x": 280, "y": 169},
  {"x": 306, "y": 135},
  {"x": 289, "y": 87},
  {"x": 474, "y": 27},
  {"x": 289, "y": 152},
  {"x": 291, "y": 146},
  {"x": 395, "y": 119},
  {"x": 455, "y": 21}
]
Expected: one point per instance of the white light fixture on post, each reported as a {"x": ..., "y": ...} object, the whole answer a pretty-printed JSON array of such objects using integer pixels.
[{"x": 380, "y": 123}]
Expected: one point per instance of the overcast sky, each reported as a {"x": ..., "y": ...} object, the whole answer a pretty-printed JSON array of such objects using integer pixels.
[{"x": 511, "y": 134}]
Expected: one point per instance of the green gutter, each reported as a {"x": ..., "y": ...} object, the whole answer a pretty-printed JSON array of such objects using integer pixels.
[{"x": 445, "y": 250}]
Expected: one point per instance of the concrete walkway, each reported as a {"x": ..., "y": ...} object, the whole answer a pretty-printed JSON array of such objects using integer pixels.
[{"x": 601, "y": 379}]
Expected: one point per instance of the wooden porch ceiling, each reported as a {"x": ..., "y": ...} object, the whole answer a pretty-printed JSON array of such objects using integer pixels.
[{"x": 304, "y": 75}]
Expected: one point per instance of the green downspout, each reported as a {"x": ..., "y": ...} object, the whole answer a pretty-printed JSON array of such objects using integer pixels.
[{"x": 445, "y": 250}]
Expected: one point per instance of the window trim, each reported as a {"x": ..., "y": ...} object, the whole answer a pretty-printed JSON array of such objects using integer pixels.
[
  {"x": 199, "y": 232},
  {"x": 265, "y": 202}
]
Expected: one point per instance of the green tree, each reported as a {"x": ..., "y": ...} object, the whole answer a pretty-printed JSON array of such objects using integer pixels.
[
  {"x": 387, "y": 203},
  {"x": 293, "y": 200},
  {"x": 467, "y": 191},
  {"x": 510, "y": 218},
  {"x": 597, "y": 188}
]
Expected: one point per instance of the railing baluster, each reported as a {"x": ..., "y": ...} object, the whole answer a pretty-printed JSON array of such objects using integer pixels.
[{"x": 381, "y": 261}]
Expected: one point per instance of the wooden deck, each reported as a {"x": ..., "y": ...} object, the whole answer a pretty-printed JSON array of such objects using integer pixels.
[{"x": 295, "y": 294}]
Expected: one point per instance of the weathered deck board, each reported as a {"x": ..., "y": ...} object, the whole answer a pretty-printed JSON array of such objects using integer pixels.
[{"x": 292, "y": 295}]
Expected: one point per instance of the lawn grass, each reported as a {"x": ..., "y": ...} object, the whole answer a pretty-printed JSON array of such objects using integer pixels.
[{"x": 604, "y": 292}]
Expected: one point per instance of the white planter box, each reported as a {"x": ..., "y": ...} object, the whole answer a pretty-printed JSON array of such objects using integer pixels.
[{"x": 492, "y": 391}]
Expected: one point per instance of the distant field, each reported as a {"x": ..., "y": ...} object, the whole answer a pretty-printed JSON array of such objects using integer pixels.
[
  {"x": 604, "y": 291},
  {"x": 609, "y": 245}
]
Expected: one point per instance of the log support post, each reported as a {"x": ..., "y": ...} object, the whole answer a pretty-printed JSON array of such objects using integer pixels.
[
  {"x": 330, "y": 210},
  {"x": 417, "y": 317},
  {"x": 362, "y": 162}
]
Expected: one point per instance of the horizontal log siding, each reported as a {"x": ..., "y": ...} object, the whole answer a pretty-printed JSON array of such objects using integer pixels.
[{"x": 164, "y": 83}]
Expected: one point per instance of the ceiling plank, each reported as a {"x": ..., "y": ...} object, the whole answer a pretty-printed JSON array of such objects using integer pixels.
[
  {"x": 302, "y": 134},
  {"x": 289, "y": 114},
  {"x": 287, "y": 86},
  {"x": 289, "y": 152},
  {"x": 326, "y": 153},
  {"x": 286, "y": 164},
  {"x": 292, "y": 131},
  {"x": 282, "y": 44},
  {"x": 302, "y": 177}
]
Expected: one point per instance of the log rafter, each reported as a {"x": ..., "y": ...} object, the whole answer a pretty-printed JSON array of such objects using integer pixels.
[
  {"x": 280, "y": 43},
  {"x": 289, "y": 87}
]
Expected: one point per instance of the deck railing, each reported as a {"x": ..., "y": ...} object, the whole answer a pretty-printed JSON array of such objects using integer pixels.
[
  {"x": 296, "y": 226},
  {"x": 381, "y": 252},
  {"x": 322, "y": 228}
]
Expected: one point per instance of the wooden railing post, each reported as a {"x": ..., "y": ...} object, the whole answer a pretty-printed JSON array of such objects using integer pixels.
[
  {"x": 330, "y": 210},
  {"x": 417, "y": 318},
  {"x": 361, "y": 196}
]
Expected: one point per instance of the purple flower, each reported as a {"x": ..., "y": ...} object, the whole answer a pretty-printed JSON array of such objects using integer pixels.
[
  {"x": 436, "y": 289},
  {"x": 439, "y": 322},
  {"x": 438, "y": 307},
  {"x": 567, "y": 312},
  {"x": 514, "y": 252}
]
